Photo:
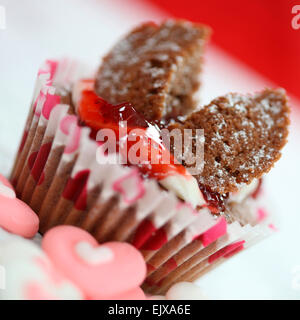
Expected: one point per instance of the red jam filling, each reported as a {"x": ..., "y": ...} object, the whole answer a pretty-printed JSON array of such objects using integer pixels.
[
  {"x": 215, "y": 201},
  {"x": 98, "y": 114}
]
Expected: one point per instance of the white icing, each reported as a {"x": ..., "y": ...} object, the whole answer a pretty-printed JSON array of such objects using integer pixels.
[
  {"x": 77, "y": 89},
  {"x": 185, "y": 188},
  {"x": 244, "y": 192}
]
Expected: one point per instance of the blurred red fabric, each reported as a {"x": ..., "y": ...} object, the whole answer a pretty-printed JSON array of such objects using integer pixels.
[{"x": 258, "y": 32}]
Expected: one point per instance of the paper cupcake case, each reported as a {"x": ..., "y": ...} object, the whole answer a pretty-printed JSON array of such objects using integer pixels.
[
  {"x": 196, "y": 260},
  {"x": 248, "y": 239},
  {"x": 58, "y": 173}
]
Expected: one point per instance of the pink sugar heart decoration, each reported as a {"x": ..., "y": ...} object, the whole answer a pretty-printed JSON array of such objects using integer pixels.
[
  {"x": 99, "y": 273},
  {"x": 17, "y": 217}
]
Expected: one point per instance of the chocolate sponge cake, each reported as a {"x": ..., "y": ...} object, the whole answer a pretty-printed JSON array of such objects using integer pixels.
[
  {"x": 156, "y": 68},
  {"x": 79, "y": 164},
  {"x": 243, "y": 137}
]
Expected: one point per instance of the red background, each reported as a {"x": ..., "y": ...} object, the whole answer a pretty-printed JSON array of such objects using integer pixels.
[{"x": 258, "y": 32}]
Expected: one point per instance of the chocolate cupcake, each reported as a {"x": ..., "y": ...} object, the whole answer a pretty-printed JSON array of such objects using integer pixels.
[{"x": 185, "y": 220}]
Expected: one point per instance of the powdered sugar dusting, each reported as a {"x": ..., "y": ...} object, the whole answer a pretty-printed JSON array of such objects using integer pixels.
[
  {"x": 244, "y": 135},
  {"x": 155, "y": 54}
]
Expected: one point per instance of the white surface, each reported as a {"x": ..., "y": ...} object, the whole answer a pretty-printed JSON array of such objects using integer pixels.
[{"x": 86, "y": 29}]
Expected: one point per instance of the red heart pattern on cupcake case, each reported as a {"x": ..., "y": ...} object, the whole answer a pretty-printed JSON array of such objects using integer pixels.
[
  {"x": 130, "y": 186},
  {"x": 37, "y": 161},
  {"x": 70, "y": 128}
]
